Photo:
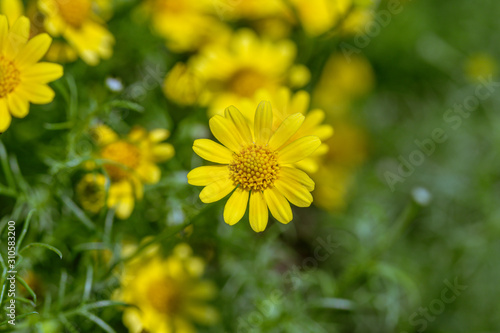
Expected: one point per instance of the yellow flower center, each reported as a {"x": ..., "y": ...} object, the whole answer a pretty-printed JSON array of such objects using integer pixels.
[
  {"x": 91, "y": 193},
  {"x": 74, "y": 12},
  {"x": 255, "y": 168},
  {"x": 123, "y": 153},
  {"x": 164, "y": 295},
  {"x": 9, "y": 76},
  {"x": 246, "y": 82}
]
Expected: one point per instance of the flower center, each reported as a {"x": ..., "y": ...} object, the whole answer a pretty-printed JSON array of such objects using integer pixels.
[
  {"x": 164, "y": 295},
  {"x": 123, "y": 153},
  {"x": 74, "y": 12},
  {"x": 255, "y": 168},
  {"x": 246, "y": 82},
  {"x": 91, "y": 192},
  {"x": 9, "y": 76}
]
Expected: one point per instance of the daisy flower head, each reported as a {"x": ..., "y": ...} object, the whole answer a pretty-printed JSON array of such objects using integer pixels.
[
  {"x": 129, "y": 163},
  {"x": 81, "y": 25},
  {"x": 239, "y": 68},
  {"x": 23, "y": 79},
  {"x": 256, "y": 163},
  {"x": 168, "y": 294}
]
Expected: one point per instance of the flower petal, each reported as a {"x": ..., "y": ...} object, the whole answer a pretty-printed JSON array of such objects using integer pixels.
[
  {"x": 296, "y": 193},
  {"x": 4, "y": 29},
  {"x": 236, "y": 206},
  {"x": 36, "y": 93},
  {"x": 240, "y": 122},
  {"x": 17, "y": 37},
  {"x": 278, "y": 205},
  {"x": 217, "y": 190},
  {"x": 162, "y": 152},
  {"x": 34, "y": 50},
  {"x": 207, "y": 175},
  {"x": 297, "y": 175},
  {"x": 225, "y": 131},
  {"x": 258, "y": 212},
  {"x": 18, "y": 106},
  {"x": 149, "y": 173},
  {"x": 285, "y": 131},
  {"x": 5, "y": 117},
  {"x": 212, "y": 151},
  {"x": 43, "y": 72},
  {"x": 263, "y": 123},
  {"x": 298, "y": 149}
]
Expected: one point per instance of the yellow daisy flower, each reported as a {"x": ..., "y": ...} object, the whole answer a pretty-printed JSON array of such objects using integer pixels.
[
  {"x": 169, "y": 294},
  {"x": 285, "y": 103},
  {"x": 23, "y": 80},
  {"x": 243, "y": 66},
  {"x": 131, "y": 162},
  {"x": 186, "y": 25},
  {"x": 258, "y": 165},
  {"x": 79, "y": 23}
]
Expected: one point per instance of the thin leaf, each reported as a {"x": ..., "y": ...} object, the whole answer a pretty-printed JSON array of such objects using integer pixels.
[
  {"x": 82, "y": 217},
  {"x": 62, "y": 288},
  {"x": 88, "y": 284},
  {"x": 47, "y": 246},
  {"x": 6, "y": 168},
  {"x": 104, "y": 304},
  {"x": 25, "y": 285},
  {"x": 25, "y": 230},
  {"x": 20, "y": 317},
  {"x": 97, "y": 321},
  {"x": 122, "y": 104}
]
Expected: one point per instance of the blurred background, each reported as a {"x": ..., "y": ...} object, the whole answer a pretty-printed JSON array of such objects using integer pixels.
[{"x": 403, "y": 232}]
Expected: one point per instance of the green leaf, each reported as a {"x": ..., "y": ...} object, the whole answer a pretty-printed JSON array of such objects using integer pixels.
[
  {"x": 122, "y": 104},
  {"x": 19, "y": 317},
  {"x": 27, "y": 287},
  {"x": 25, "y": 230},
  {"x": 80, "y": 214},
  {"x": 97, "y": 321},
  {"x": 47, "y": 246}
]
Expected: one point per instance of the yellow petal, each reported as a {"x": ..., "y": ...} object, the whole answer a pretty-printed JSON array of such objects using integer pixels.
[
  {"x": 206, "y": 175},
  {"x": 163, "y": 151},
  {"x": 278, "y": 205},
  {"x": 4, "y": 29},
  {"x": 212, "y": 151},
  {"x": 263, "y": 123},
  {"x": 217, "y": 190},
  {"x": 240, "y": 122},
  {"x": 17, "y": 37},
  {"x": 150, "y": 173},
  {"x": 287, "y": 128},
  {"x": 13, "y": 9},
  {"x": 203, "y": 314},
  {"x": 159, "y": 135},
  {"x": 18, "y": 106},
  {"x": 296, "y": 193},
  {"x": 43, "y": 72},
  {"x": 298, "y": 149},
  {"x": 124, "y": 208},
  {"x": 34, "y": 50},
  {"x": 225, "y": 131},
  {"x": 236, "y": 206},
  {"x": 5, "y": 117},
  {"x": 296, "y": 175},
  {"x": 258, "y": 212},
  {"x": 36, "y": 93}
]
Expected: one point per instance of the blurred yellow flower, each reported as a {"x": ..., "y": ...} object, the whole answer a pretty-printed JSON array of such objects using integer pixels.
[
  {"x": 480, "y": 65},
  {"x": 250, "y": 9},
  {"x": 335, "y": 173},
  {"x": 23, "y": 79},
  {"x": 91, "y": 192},
  {"x": 342, "y": 81},
  {"x": 320, "y": 16},
  {"x": 243, "y": 66},
  {"x": 257, "y": 163},
  {"x": 130, "y": 163},
  {"x": 80, "y": 23},
  {"x": 183, "y": 86},
  {"x": 186, "y": 25},
  {"x": 169, "y": 294}
]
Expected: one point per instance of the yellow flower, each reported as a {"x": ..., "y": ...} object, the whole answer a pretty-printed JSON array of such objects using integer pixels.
[
  {"x": 342, "y": 81},
  {"x": 243, "y": 66},
  {"x": 253, "y": 9},
  {"x": 337, "y": 167},
  {"x": 23, "y": 80},
  {"x": 320, "y": 16},
  {"x": 91, "y": 192},
  {"x": 284, "y": 104},
  {"x": 131, "y": 162},
  {"x": 183, "y": 86},
  {"x": 78, "y": 22},
  {"x": 187, "y": 24},
  {"x": 169, "y": 294},
  {"x": 257, "y": 162}
]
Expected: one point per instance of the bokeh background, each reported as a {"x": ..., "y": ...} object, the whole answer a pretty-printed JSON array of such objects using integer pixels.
[{"x": 403, "y": 232}]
